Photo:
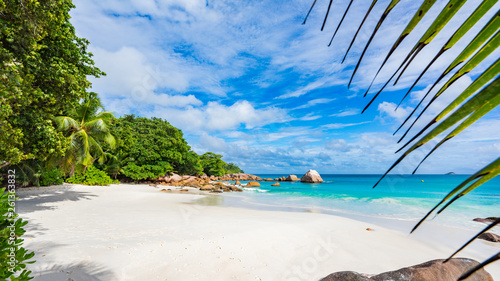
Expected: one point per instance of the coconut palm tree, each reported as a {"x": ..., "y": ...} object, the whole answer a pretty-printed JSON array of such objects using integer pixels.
[
  {"x": 479, "y": 98},
  {"x": 87, "y": 130}
]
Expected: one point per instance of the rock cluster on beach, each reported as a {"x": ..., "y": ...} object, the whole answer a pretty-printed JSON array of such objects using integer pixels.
[
  {"x": 222, "y": 183},
  {"x": 429, "y": 271}
]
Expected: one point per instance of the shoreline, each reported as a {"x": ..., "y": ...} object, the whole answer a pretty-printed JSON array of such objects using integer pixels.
[{"x": 87, "y": 233}]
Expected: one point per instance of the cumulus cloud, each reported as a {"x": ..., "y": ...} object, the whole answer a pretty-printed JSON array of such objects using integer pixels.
[
  {"x": 389, "y": 109},
  {"x": 218, "y": 117}
]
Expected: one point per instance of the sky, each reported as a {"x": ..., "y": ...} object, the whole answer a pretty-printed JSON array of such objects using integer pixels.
[{"x": 247, "y": 80}]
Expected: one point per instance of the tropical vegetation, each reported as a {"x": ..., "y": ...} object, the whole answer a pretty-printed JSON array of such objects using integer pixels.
[{"x": 475, "y": 101}]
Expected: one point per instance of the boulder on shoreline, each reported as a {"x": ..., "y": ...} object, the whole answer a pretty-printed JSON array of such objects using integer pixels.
[
  {"x": 275, "y": 184},
  {"x": 428, "y": 271},
  {"x": 490, "y": 237},
  {"x": 486, "y": 220},
  {"x": 292, "y": 178},
  {"x": 312, "y": 176}
]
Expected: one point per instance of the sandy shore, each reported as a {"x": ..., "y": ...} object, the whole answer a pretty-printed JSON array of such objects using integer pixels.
[{"x": 137, "y": 232}]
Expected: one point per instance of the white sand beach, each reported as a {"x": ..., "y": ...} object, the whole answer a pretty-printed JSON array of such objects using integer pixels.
[{"x": 137, "y": 232}]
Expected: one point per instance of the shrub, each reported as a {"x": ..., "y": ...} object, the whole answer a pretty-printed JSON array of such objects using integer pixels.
[
  {"x": 51, "y": 177},
  {"x": 145, "y": 172},
  {"x": 13, "y": 257},
  {"x": 92, "y": 176}
]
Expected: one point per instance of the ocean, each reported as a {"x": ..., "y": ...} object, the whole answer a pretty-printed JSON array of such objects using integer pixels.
[{"x": 397, "y": 197}]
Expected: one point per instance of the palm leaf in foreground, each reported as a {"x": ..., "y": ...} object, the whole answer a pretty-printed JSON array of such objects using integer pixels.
[
  {"x": 479, "y": 57},
  {"x": 359, "y": 28},
  {"x": 377, "y": 27},
  {"x": 486, "y": 96},
  {"x": 459, "y": 33},
  {"x": 475, "y": 177},
  {"x": 490, "y": 226},
  {"x": 439, "y": 23},
  {"x": 340, "y": 23},
  {"x": 479, "y": 266},
  {"x": 424, "y": 8},
  {"x": 482, "y": 80}
]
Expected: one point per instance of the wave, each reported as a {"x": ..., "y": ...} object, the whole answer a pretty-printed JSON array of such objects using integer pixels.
[{"x": 255, "y": 189}]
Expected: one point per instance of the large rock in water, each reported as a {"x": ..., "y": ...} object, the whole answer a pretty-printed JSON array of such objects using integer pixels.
[
  {"x": 311, "y": 177},
  {"x": 253, "y": 184},
  {"x": 429, "y": 271}
]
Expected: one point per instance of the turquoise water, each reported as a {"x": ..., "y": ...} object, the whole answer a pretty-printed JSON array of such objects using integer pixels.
[{"x": 398, "y": 197}]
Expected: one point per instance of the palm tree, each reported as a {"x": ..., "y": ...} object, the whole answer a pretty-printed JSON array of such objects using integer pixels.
[
  {"x": 87, "y": 127},
  {"x": 479, "y": 98}
]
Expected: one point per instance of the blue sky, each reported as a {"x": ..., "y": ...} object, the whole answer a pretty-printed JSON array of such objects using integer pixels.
[{"x": 247, "y": 80}]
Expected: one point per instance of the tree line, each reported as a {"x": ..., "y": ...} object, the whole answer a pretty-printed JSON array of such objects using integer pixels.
[{"x": 53, "y": 127}]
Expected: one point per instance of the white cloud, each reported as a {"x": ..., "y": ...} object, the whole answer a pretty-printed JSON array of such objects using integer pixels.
[
  {"x": 314, "y": 102},
  {"x": 310, "y": 117},
  {"x": 343, "y": 125},
  {"x": 218, "y": 117},
  {"x": 389, "y": 109},
  {"x": 346, "y": 112}
]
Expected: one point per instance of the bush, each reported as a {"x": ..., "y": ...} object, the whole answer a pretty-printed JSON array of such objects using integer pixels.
[
  {"x": 13, "y": 257},
  {"x": 145, "y": 172},
  {"x": 51, "y": 177},
  {"x": 92, "y": 176}
]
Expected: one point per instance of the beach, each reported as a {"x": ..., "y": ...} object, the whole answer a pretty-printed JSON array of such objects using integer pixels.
[{"x": 138, "y": 232}]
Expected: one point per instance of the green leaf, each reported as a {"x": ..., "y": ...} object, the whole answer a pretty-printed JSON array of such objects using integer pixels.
[
  {"x": 480, "y": 82},
  {"x": 490, "y": 226},
  {"x": 340, "y": 23},
  {"x": 359, "y": 28},
  {"x": 381, "y": 20},
  {"x": 424, "y": 8},
  {"x": 486, "y": 170},
  {"x": 479, "y": 266},
  {"x": 439, "y": 23},
  {"x": 487, "y": 95},
  {"x": 484, "y": 7}
]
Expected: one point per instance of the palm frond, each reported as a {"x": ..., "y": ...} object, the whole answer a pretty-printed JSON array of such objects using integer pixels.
[
  {"x": 490, "y": 73},
  {"x": 65, "y": 123},
  {"x": 340, "y": 23},
  {"x": 377, "y": 27},
  {"x": 484, "y": 7},
  {"x": 476, "y": 176},
  {"x": 490, "y": 226},
  {"x": 424, "y": 8},
  {"x": 439, "y": 23},
  {"x": 359, "y": 28},
  {"x": 479, "y": 266},
  {"x": 480, "y": 56},
  {"x": 489, "y": 95}
]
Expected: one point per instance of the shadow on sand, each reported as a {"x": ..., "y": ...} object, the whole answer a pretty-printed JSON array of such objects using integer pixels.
[
  {"x": 40, "y": 199},
  {"x": 74, "y": 271}
]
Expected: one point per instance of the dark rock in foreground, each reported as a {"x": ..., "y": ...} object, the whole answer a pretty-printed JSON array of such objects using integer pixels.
[
  {"x": 433, "y": 270},
  {"x": 491, "y": 237},
  {"x": 486, "y": 220}
]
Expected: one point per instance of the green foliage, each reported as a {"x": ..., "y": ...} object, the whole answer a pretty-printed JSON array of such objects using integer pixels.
[
  {"x": 92, "y": 176},
  {"x": 232, "y": 168},
  {"x": 146, "y": 171},
  {"x": 13, "y": 257},
  {"x": 51, "y": 177},
  {"x": 153, "y": 147},
  {"x": 44, "y": 68},
  {"x": 213, "y": 164},
  {"x": 191, "y": 164},
  {"x": 87, "y": 129}
]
